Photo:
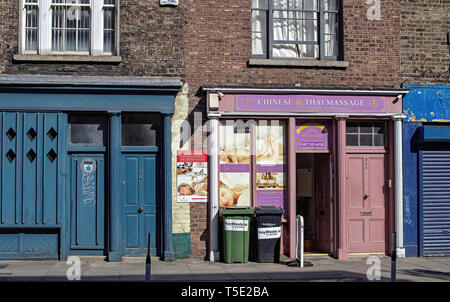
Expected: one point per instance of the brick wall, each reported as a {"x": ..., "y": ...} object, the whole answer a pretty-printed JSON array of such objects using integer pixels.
[
  {"x": 425, "y": 53},
  {"x": 217, "y": 46},
  {"x": 150, "y": 44}
]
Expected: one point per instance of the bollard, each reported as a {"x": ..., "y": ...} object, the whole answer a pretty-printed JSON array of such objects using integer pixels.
[
  {"x": 148, "y": 263},
  {"x": 394, "y": 257}
]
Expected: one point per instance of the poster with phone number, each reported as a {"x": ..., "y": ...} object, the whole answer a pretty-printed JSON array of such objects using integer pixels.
[{"x": 192, "y": 176}]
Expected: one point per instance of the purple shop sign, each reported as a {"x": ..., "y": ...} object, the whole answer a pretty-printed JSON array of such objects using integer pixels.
[
  {"x": 312, "y": 135},
  {"x": 270, "y": 168},
  {"x": 309, "y": 103},
  {"x": 276, "y": 198},
  {"x": 233, "y": 168}
]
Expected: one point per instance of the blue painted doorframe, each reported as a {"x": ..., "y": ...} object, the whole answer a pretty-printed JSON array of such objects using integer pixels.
[{"x": 51, "y": 220}]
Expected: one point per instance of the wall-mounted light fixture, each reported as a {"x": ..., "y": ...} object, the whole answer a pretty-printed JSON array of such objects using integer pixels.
[{"x": 213, "y": 101}]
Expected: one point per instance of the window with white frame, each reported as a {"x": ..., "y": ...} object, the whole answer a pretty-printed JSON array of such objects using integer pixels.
[
  {"x": 82, "y": 27},
  {"x": 305, "y": 29}
]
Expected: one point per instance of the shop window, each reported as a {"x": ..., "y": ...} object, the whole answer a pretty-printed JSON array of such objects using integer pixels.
[
  {"x": 252, "y": 158},
  {"x": 303, "y": 29},
  {"x": 235, "y": 168},
  {"x": 88, "y": 130},
  {"x": 366, "y": 134},
  {"x": 140, "y": 129}
]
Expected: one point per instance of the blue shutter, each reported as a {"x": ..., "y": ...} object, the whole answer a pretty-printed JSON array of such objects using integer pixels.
[{"x": 436, "y": 203}]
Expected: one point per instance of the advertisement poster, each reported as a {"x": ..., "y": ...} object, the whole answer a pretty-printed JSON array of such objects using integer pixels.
[
  {"x": 234, "y": 161},
  {"x": 270, "y": 164},
  {"x": 312, "y": 136},
  {"x": 192, "y": 176}
]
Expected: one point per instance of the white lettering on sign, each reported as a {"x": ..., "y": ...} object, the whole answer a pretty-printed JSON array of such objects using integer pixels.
[
  {"x": 269, "y": 233},
  {"x": 236, "y": 225},
  {"x": 88, "y": 187},
  {"x": 168, "y": 2}
]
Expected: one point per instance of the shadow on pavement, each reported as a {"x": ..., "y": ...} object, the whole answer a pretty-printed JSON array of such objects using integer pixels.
[{"x": 443, "y": 276}]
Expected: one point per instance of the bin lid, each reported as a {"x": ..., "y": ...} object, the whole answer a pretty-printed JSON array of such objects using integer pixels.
[
  {"x": 268, "y": 210},
  {"x": 237, "y": 211}
]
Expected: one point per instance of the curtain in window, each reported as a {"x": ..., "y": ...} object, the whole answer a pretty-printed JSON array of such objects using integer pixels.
[
  {"x": 109, "y": 26},
  {"x": 70, "y": 25},
  {"x": 31, "y": 24},
  {"x": 295, "y": 21},
  {"x": 330, "y": 24},
  {"x": 259, "y": 27}
]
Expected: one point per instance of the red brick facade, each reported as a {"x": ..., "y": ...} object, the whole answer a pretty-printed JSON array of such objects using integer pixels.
[
  {"x": 217, "y": 48},
  {"x": 425, "y": 53}
]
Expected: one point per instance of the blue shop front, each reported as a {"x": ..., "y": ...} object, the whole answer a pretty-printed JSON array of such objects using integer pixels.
[
  {"x": 426, "y": 168},
  {"x": 86, "y": 166}
]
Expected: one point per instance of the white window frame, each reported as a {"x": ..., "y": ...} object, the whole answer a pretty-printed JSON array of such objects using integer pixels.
[{"x": 44, "y": 32}]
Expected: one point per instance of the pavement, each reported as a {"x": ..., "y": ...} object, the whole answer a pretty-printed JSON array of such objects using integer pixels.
[{"x": 322, "y": 269}]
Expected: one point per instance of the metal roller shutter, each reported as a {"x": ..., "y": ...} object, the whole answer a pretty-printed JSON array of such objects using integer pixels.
[{"x": 436, "y": 203}]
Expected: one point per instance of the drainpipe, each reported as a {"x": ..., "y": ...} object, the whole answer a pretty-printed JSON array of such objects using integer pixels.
[
  {"x": 213, "y": 147},
  {"x": 398, "y": 168}
]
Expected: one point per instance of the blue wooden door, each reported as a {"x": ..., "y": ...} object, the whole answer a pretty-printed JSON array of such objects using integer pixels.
[
  {"x": 139, "y": 200},
  {"x": 87, "y": 202}
]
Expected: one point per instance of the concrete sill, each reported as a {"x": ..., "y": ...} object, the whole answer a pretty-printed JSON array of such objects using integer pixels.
[
  {"x": 297, "y": 63},
  {"x": 68, "y": 58}
]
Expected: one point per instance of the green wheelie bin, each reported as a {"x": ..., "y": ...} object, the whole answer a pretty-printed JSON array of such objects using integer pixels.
[{"x": 236, "y": 233}]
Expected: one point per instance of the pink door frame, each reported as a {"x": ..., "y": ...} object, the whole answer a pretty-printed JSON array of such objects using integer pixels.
[
  {"x": 339, "y": 153},
  {"x": 340, "y": 232}
]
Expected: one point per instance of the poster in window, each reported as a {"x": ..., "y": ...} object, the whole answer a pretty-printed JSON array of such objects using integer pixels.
[
  {"x": 192, "y": 176},
  {"x": 234, "y": 160},
  {"x": 271, "y": 164}
]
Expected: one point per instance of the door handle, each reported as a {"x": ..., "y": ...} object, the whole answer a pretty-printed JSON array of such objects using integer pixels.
[
  {"x": 366, "y": 195},
  {"x": 141, "y": 209}
]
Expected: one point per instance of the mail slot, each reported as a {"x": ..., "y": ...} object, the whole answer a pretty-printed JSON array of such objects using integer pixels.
[{"x": 366, "y": 213}]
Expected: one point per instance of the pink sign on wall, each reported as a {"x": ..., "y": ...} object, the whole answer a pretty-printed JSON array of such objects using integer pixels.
[
  {"x": 312, "y": 135},
  {"x": 309, "y": 103}
]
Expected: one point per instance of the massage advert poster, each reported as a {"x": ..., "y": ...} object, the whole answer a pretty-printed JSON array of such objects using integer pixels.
[
  {"x": 270, "y": 164},
  {"x": 192, "y": 176},
  {"x": 234, "y": 160},
  {"x": 235, "y": 164}
]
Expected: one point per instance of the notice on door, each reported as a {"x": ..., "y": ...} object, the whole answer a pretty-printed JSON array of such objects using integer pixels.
[{"x": 192, "y": 176}]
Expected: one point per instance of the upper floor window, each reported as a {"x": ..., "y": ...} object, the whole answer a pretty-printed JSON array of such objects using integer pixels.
[
  {"x": 304, "y": 29},
  {"x": 69, "y": 27}
]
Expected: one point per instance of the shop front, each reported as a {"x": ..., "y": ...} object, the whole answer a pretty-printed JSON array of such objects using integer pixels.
[
  {"x": 427, "y": 160},
  {"x": 85, "y": 166},
  {"x": 329, "y": 155}
]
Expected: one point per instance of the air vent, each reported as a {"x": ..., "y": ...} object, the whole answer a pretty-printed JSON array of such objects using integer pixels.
[
  {"x": 52, "y": 134},
  {"x": 31, "y": 155},
  {"x": 31, "y": 134},
  {"x": 11, "y": 134},
  {"x": 51, "y": 155},
  {"x": 10, "y": 155}
]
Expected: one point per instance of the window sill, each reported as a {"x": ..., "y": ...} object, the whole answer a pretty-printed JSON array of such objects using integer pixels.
[
  {"x": 67, "y": 58},
  {"x": 298, "y": 63}
]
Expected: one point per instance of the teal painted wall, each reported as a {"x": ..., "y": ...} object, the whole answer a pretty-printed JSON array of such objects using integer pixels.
[{"x": 182, "y": 245}]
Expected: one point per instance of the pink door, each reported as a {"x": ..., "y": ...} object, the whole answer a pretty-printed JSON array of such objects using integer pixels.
[
  {"x": 322, "y": 168},
  {"x": 366, "y": 203}
]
